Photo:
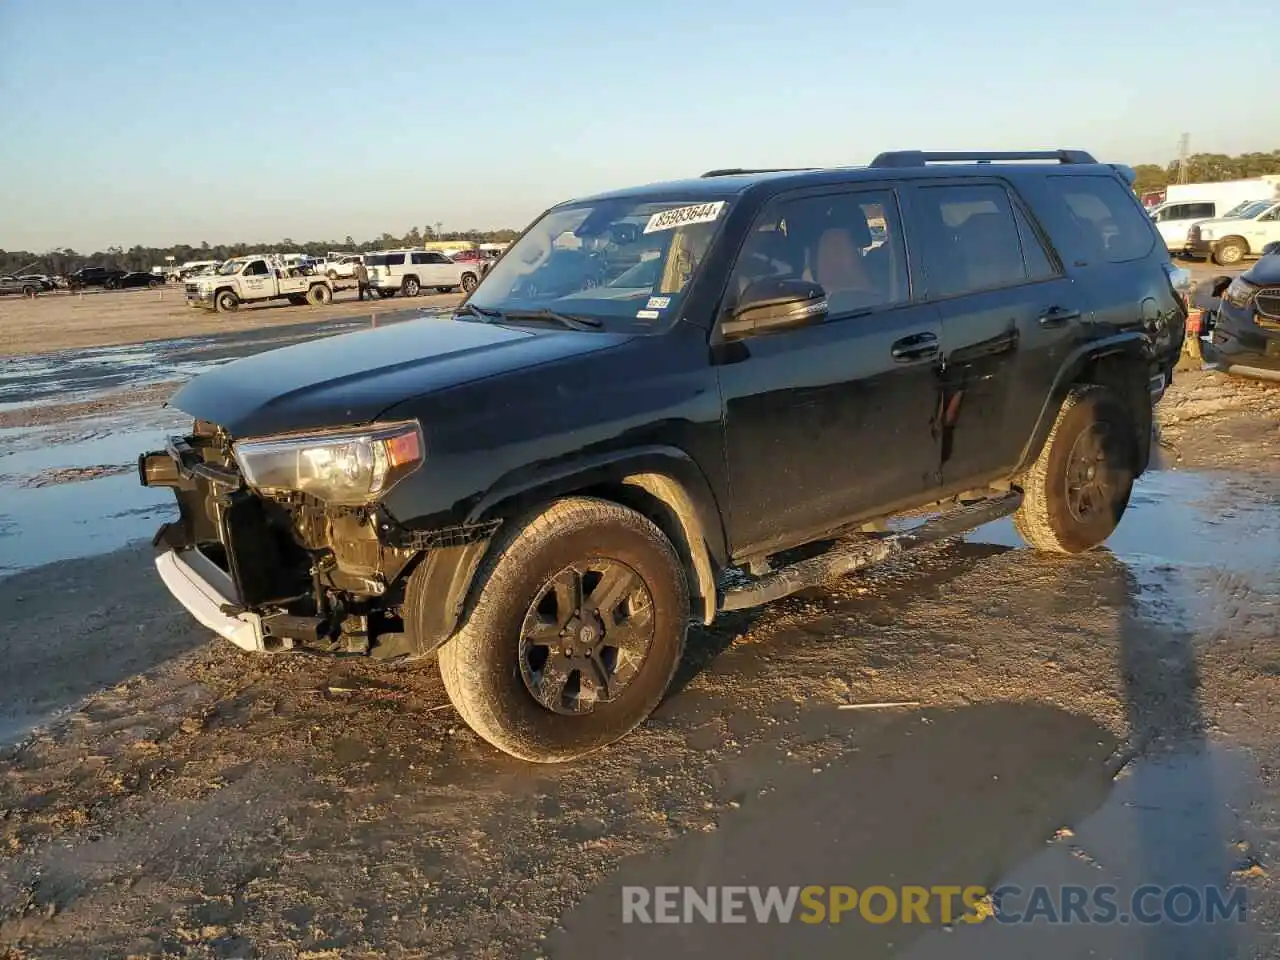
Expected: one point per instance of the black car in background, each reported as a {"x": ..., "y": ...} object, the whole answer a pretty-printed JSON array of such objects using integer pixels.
[
  {"x": 1241, "y": 333},
  {"x": 107, "y": 277},
  {"x": 139, "y": 278}
]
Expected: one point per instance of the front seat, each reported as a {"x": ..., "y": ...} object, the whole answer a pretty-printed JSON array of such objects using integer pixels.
[{"x": 839, "y": 267}]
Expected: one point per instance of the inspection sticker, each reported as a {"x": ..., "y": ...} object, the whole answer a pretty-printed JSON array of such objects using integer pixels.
[
  {"x": 658, "y": 303},
  {"x": 680, "y": 216},
  {"x": 647, "y": 314}
]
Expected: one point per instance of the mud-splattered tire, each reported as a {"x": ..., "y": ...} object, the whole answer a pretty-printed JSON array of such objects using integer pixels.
[
  {"x": 226, "y": 302},
  {"x": 1230, "y": 251},
  {"x": 319, "y": 295},
  {"x": 1077, "y": 490},
  {"x": 487, "y": 667}
]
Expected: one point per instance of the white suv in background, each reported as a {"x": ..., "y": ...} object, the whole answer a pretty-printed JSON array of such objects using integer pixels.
[
  {"x": 342, "y": 267},
  {"x": 1173, "y": 220},
  {"x": 410, "y": 270}
]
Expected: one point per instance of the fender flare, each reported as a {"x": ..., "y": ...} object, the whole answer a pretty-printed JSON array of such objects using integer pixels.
[
  {"x": 665, "y": 474},
  {"x": 1132, "y": 346}
]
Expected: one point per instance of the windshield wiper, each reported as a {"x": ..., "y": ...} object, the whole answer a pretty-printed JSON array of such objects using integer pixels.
[
  {"x": 484, "y": 313},
  {"x": 564, "y": 319}
]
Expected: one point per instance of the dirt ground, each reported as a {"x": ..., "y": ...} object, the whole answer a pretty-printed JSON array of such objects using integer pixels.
[
  {"x": 61, "y": 321},
  {"x": 193, "y": 801}
]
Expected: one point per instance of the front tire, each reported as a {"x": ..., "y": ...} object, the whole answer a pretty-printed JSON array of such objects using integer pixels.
[
  {"x": 226, "y": 302},
  {"x": 469, "y": 282},
  {"x": 574, "y": 636},
  {"x": 1077, "y": 490},
  {"x": 1230, "y": 252}
]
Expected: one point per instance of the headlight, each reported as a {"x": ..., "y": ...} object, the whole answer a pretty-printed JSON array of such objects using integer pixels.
[
  {"x": 339, "y": 467},
  {"x": 1240, "y": 293}
]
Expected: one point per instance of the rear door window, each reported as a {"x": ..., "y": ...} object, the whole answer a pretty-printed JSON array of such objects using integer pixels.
[
  {"x": 1103, "y": 217},
  {"x": 969, "y": 239}
]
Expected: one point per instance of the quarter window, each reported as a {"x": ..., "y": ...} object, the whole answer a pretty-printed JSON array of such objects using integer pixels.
[{"x": 1106, "y": 220}]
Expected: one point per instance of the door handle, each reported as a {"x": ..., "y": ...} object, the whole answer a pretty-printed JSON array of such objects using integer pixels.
[
  {"x": 1057, "y": 316},
  {"x": 918, "y": 346}
]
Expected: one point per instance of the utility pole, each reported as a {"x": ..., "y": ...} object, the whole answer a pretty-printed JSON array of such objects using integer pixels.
[{"x": 1184, "y": 151}]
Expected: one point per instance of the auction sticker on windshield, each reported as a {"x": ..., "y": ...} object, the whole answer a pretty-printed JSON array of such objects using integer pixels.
[{"x": 680, "y": 216}]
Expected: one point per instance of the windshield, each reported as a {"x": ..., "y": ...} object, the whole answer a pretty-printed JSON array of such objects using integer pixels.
[
  {"x": 622, "y": 259},
  {"x": 1252, "y": 209},
  {"x": 230, "y": 267}
]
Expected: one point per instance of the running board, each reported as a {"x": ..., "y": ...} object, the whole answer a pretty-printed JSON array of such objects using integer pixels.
[{"x": 846, "y": 559}]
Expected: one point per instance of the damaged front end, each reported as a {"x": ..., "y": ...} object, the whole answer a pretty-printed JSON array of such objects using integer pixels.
[{"x": 282, "y": 543}]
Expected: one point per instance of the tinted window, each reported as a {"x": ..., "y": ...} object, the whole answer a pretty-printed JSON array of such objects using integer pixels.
[
  {"x": 1040, "y": 264},
  {"x": 256, "y": 269},
  {"x": 1104, "y": 217},
  {"x": 1272, "y": 214},
  {"x": 385, "y": 259},
  {"x": 419, "y": 258},
  {"x": 437, "y": 258},
  {"x": 969, "y": 239},
  {"x": 850, "y": 243},
  {"x": 1200, "y": 211}
]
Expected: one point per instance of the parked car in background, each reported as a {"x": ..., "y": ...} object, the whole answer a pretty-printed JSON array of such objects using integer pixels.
[
  {"x": 105, "y": 277},
  {"x": 254, "y": 279},
  {"x": 22, "y": 285},
  {"x": 140, "y": 278},
  {"x": 41, "y": 280},
  {"x": 341, "y": 267},
  {"x": 1240, "y": 334},
  {"x": 1228, "y": 241},
  {"x": 408, "y": 271},
  {"x": 1174, "y": 219}
]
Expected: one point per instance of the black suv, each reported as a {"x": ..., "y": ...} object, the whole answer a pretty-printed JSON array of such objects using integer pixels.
[
  {"x": 1241, "y": 327},
  {"x": 656, "y": 385},
  {"x": 107, "y": 277}
]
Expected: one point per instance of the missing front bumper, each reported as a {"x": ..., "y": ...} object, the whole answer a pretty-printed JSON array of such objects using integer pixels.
[{"x": 206, "y": 591}]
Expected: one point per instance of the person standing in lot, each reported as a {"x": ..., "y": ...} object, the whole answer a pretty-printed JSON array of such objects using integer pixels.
[{"x": 362, "y": 281}]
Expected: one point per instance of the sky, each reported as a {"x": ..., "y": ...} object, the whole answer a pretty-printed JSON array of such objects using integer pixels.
[{"x": 167, "y": 121}]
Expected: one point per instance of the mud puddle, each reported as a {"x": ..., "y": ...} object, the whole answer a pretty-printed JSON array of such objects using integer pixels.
[{"x": 68, "y": 484}]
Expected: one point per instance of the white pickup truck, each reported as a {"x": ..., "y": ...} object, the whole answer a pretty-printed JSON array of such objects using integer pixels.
[{"x": 253, "y": 279}]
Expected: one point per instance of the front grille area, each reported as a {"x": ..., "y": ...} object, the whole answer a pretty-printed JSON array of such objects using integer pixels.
[{"x": 1267, "y": 303}]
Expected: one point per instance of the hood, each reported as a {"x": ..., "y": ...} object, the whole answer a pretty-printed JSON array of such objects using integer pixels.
[
  {"x": 352, "y": 378},
  {"x": 1265, "y": 272}
]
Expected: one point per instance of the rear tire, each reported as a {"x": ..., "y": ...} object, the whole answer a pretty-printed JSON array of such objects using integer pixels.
[
  {"x": 469, "y": 282},
  {"x": 522, "y": 670},
  {"x": 1077, "y": 490},
  {"x": 226, "y": 302},
  {"x": 319, "y": 295}
]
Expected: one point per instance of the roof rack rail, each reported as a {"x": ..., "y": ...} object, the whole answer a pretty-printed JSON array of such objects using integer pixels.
[
  {"x": 918, "y": 158},
  {"x": 736, "y": 171}
]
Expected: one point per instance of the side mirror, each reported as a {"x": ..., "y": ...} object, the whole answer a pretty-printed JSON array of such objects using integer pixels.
[{"x": 771, "y": 305}]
